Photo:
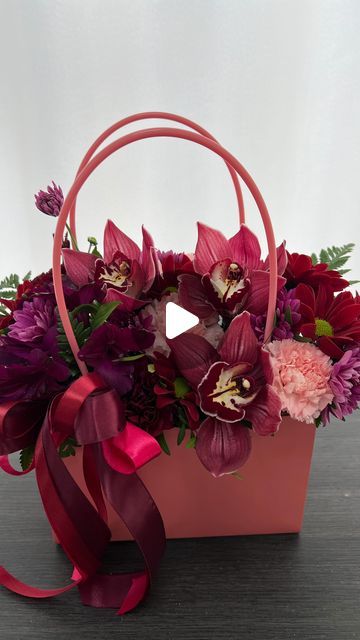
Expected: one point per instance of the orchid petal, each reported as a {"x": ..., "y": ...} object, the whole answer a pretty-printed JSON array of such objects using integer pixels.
[
  {"x": 245, "y": 248},
  {"x": 259, "y": 293},
  {"x": 126, "y": 303},
  {"x": 115, "y": 240},
  {"x": 148, "y": 259},
  {"x": 193, "y": 355},
  {"x": 211, "y": 247},
  {"x": 265, "y": 412},
  {"x": 79, "y": 266},
  {"x": 239, "y": 343},
  {"x": 282, "y": 259},
  {"x": 192, "y": 297},
  {"x": 222, "y": 447}
]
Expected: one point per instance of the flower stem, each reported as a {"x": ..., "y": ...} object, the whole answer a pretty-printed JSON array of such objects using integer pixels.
[{"x": 73, "y": 241}]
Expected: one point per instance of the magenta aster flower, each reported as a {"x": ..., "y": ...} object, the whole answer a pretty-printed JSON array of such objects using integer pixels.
[
  {"x": 345, "y": 385},
  {"x": 50, "y": 201},
  {"x": 234, "y": 389},
  {"x": 230, "y": 274},
  {"x": 125, "y": 271},
  {"x": 33, "y": 321},
  {"x": 287, "y": 317}
]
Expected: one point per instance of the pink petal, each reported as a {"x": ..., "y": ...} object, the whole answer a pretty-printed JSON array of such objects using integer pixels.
[
  {"x": 245, "y": 248},
  {"x": 259, "y": 292},
  {"x": 265, "y": 412},
  {"x": 239, "y": 343},
  {"x": 193, "y": 355},
  {"x": 148, "y": 259},
  {"x": 282, "y": 259},
  {"x": 115, "y": 240},
  {"x": 222, "y": 447},
  {"x": 211, "y": 247},
  {"x": 79, "y": 266},
  {"x": 192, "y": 297}
]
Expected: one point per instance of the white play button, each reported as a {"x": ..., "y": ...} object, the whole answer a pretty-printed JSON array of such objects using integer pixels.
[{"x": 178, "y": 320}]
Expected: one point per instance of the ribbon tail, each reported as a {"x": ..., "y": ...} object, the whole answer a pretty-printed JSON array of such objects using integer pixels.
[
  {"x": 11, "y": 583},
  {"x": 136, "y": 508}
]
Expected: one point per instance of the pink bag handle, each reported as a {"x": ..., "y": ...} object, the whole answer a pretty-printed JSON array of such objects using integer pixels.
[
  {"x": 123, "y": 142},
  {"x": 158, "y": 115}
]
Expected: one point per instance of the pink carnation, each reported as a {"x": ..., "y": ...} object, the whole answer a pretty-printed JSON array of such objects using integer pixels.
[{"x": 301, "y": 378}]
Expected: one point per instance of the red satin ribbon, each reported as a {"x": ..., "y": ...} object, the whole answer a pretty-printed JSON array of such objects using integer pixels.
[{"x": 80, "y": 528}]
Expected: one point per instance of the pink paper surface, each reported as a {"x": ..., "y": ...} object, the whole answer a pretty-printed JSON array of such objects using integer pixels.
[{"x": 270, "y": 497}]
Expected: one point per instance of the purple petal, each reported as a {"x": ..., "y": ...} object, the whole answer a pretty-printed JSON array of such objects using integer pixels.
[
  {"x": 115, "y": 240},
  {"x": 245, "y": 248},
  {"x": 257, "y": 302},
  {"x": 265, "y": 412},
  {"x": 193, "y": 355},
  {"x": 222, "y": 447},
  {"x": 211, "y": 247},
  {"x": 79, "y": 266},
  {"x": 239, "y": 343},
  {"x": 192, "y": 296}
]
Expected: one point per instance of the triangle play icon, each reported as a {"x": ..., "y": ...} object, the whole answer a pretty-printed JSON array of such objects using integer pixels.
[{"x": 178, "y": 320}]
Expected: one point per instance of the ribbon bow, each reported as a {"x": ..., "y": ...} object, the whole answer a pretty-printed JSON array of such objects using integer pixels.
[{"x": 113, "y": 450}]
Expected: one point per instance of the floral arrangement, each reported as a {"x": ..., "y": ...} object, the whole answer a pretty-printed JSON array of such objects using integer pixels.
[{"x": 214, "y": 383}]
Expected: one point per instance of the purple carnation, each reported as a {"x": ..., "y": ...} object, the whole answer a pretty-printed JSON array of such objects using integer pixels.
[
  {"x": 345, "y": 385},
  {"x": 287, "y": 317},
  {"x": 50, "y": 201}
]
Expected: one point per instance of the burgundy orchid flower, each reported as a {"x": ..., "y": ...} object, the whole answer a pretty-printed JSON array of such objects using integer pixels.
[
  {"x": 234, "y": 389},
  {"x": 333, "y": 322},
  {"x": 230, "y": 274},
  {"x": 125, "y": 271}
]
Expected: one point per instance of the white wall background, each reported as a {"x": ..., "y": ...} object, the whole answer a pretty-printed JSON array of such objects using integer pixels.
[{"x": 277, "y": 81}]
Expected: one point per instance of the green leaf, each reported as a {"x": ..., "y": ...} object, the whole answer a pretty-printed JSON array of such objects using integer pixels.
[
  {"x": 237, "y": 475},
  {"x": 26, "y": 457},
  {"x": 68, "y": 448},
  {"x": 318, "y": 421},
  {"x": 182, "y": 432},
  {"x": 335, "y": 257},
  {"x": 288, "y": 316},
  {"x": 192, "y": 442},
  {"x": 103, "y": 313},
  {"x": 352, "y": 282},
  {"x": 163, "y": 444}
]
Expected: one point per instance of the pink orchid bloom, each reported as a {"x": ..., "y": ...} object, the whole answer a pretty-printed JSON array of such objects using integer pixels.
[
  {"x": 124, "y": 272},
  {"x": 234, "y": 388},
  {"x": 231, "y": 275}
]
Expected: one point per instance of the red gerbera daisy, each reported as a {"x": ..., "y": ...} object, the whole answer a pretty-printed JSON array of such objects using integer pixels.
[
  {"x": 300, "y": 269},
  {"x": 333, "y": 322}
]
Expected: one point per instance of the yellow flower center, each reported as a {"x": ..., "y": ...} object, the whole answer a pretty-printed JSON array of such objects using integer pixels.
[{"x": 323, "y": 328}]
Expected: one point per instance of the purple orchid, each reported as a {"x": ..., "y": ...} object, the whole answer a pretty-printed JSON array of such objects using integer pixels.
[
  {"x": 50, "y": 201},
  {"x": 345, "y": 385},
  {"x": 233, "y": 386},
  {"x": 230, "y": 274},
  {"x": 106, "y": 351},
  {"x": 124, "y": 273}
]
